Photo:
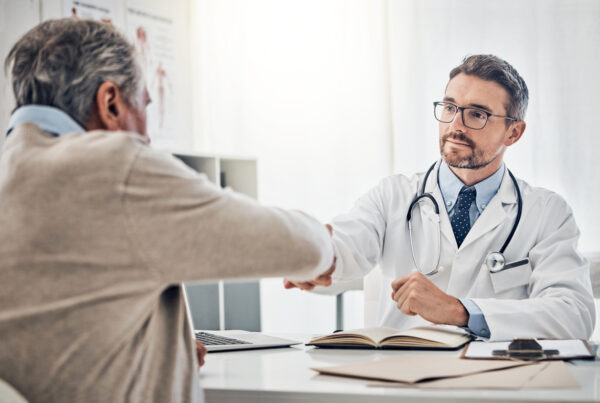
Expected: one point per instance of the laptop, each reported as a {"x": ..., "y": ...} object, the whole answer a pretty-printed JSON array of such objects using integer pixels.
[{"x": 235, "y": 340}]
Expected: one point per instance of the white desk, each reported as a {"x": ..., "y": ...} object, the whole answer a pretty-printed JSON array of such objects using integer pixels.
[{"x": 283, "y": 375}]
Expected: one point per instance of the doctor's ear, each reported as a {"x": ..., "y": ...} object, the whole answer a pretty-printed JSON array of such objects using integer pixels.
[
  {"x": 514, "y": 133},
  {"x": 109, "y": 107}
]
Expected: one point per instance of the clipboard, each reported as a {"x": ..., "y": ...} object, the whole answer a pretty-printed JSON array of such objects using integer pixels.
[{"x": 561, "y": 350}]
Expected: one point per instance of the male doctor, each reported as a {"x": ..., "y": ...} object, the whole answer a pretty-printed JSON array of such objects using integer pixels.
[{"x": 448, "y": 275}]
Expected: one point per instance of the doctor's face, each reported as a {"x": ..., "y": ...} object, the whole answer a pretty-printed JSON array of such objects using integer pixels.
[{"x": 463, "y": 147}]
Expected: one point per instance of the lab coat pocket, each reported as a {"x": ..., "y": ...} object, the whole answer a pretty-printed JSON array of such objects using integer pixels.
[{"x": 511, "y": 278}]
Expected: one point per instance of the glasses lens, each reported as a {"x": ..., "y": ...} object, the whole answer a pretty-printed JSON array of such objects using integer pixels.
[
  {"x": 444, "y": 112},
  {"x": 475, "y": 118}
]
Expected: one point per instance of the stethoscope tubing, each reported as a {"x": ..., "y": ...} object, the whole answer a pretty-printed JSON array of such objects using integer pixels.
[{"x": 422, "y": 196}]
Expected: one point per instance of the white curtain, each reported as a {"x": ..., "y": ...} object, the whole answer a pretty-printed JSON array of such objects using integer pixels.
[
  {"x": 332, "y": 95},
  {"x": 555, "y": 46},
  {"x": 301, "y": 85}
]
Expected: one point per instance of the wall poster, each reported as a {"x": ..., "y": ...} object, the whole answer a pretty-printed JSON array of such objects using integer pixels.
[
  {"x": 103, "y": 10},
  {"x": 153, "y": 35}
]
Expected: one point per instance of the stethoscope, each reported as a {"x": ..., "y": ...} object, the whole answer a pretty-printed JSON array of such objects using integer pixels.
[{"x": 494, "y": 261}]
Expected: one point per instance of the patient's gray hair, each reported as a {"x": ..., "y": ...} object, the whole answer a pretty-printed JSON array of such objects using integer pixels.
[
  {"x": 492, "y": 68},
  {"x": 62, "y": 63}
]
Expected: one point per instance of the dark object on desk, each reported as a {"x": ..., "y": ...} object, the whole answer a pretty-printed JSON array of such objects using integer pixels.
[
  {"x": 566, "y": 349},
  {"x": 223, "y": 180},
  {"x": 525, "y": 350}
]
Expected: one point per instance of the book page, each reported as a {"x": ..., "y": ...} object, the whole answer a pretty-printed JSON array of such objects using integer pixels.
[
  {"x": 371, "y": 335},
  {"x": 429, "y": 335}
]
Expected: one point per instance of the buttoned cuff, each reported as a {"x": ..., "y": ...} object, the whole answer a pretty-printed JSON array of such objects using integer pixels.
[{"x": 477, "y": 323}]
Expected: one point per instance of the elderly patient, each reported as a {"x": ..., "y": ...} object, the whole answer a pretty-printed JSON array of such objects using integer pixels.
[{"x": 98, "y": 230}]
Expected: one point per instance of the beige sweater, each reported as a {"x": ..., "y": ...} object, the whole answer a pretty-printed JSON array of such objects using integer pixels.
[{"x": 96, "y": 233}]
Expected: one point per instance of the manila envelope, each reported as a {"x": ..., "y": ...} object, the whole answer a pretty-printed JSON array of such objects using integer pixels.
[
  {"x": 411, "y": 369},
  {"x": 541, "y": 375}
]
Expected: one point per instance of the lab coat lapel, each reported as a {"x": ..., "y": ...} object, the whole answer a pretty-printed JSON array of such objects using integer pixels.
[{"x": 495, "y": 213}]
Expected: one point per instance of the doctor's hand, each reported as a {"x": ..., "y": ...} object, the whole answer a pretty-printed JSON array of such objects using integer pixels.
[
  {"x": 415, "y": 294},
  {"x": 323, "y": 279}
]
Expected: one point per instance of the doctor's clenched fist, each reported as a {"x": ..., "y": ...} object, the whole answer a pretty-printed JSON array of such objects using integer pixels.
[{"x": 416, "y": 295}]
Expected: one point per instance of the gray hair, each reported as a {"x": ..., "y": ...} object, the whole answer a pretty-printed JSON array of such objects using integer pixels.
[
  {"x": 492, "y": 68},
  {"x": 61, "y": 63}
]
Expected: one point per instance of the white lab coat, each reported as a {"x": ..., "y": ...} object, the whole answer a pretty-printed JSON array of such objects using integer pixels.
[{"x": 550, "y": 297}]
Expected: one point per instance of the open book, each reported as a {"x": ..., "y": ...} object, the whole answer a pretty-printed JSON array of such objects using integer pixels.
[{"x": 424, "y": 337}]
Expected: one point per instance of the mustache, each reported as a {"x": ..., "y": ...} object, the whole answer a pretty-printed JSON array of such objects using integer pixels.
[{"x": 459, "y": 137}]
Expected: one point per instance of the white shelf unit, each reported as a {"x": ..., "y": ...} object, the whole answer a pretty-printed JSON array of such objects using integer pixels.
[{"x": 216, "y": 306}]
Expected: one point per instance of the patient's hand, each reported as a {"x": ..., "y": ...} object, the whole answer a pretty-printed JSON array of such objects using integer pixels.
[
  {"x": 200, "y": 353},
  {"x": 324, "y": 279}
]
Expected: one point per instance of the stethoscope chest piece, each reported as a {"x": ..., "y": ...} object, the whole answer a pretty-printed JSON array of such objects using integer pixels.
[{"x": 495, "y": 262}]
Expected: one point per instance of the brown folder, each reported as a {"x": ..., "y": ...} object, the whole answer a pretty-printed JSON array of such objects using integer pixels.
[
  {"x": 542, "y": 375},
  {"x": 447, "y": 372},
  {"x": 417, "y": 368}
]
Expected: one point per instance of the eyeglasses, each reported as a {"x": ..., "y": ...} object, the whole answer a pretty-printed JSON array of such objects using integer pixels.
[{"x": 473, "y": 118}]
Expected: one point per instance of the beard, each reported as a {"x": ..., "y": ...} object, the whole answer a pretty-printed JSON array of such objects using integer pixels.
[{"x": 474, "y": 160}]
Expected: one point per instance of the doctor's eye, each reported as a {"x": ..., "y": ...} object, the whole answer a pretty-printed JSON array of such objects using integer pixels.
[{"x": 477, "y": 114}]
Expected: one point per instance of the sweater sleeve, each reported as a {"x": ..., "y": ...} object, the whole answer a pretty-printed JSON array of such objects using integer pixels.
[{"x": 187, "y": 229}]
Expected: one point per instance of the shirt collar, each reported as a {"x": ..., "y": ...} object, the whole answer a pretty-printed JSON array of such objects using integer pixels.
[
  {"x": 450, "y": 185},
  {"x": 48, "y": 118}
]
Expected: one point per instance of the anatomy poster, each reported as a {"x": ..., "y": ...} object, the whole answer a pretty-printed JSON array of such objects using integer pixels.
[
  {"x": 102, "y": 10},
  {"x": 153, "y": 35}
]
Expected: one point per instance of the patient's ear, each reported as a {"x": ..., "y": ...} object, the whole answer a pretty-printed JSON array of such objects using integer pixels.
[{"x": 109, "y": 108}]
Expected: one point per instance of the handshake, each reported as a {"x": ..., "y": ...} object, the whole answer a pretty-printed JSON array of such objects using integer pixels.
[
  {"x": 413, "y": 294},
  {"x": 323, "y": 279}
]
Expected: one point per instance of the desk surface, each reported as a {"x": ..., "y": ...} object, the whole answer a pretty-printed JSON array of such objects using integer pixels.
[{"x": 277, "y": 375}]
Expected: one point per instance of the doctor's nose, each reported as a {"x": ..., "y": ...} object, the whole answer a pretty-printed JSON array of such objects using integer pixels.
[{"x": 457, "y": 123}]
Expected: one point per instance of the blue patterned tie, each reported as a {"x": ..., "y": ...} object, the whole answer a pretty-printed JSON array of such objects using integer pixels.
[{"x": 461, "y": 223}]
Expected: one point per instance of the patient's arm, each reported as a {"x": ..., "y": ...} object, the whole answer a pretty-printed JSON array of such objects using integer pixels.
[{"x": 188, "y": 229}]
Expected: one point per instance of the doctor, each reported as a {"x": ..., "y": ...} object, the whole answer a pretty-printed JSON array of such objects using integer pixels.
[{"x": 499, "y": 256}]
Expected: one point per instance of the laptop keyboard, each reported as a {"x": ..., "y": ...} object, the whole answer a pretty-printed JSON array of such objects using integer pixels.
[{"x": 209, "y": 339}]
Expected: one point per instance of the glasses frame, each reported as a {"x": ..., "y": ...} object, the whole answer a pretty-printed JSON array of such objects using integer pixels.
[{"x": 462, "y": 115}]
